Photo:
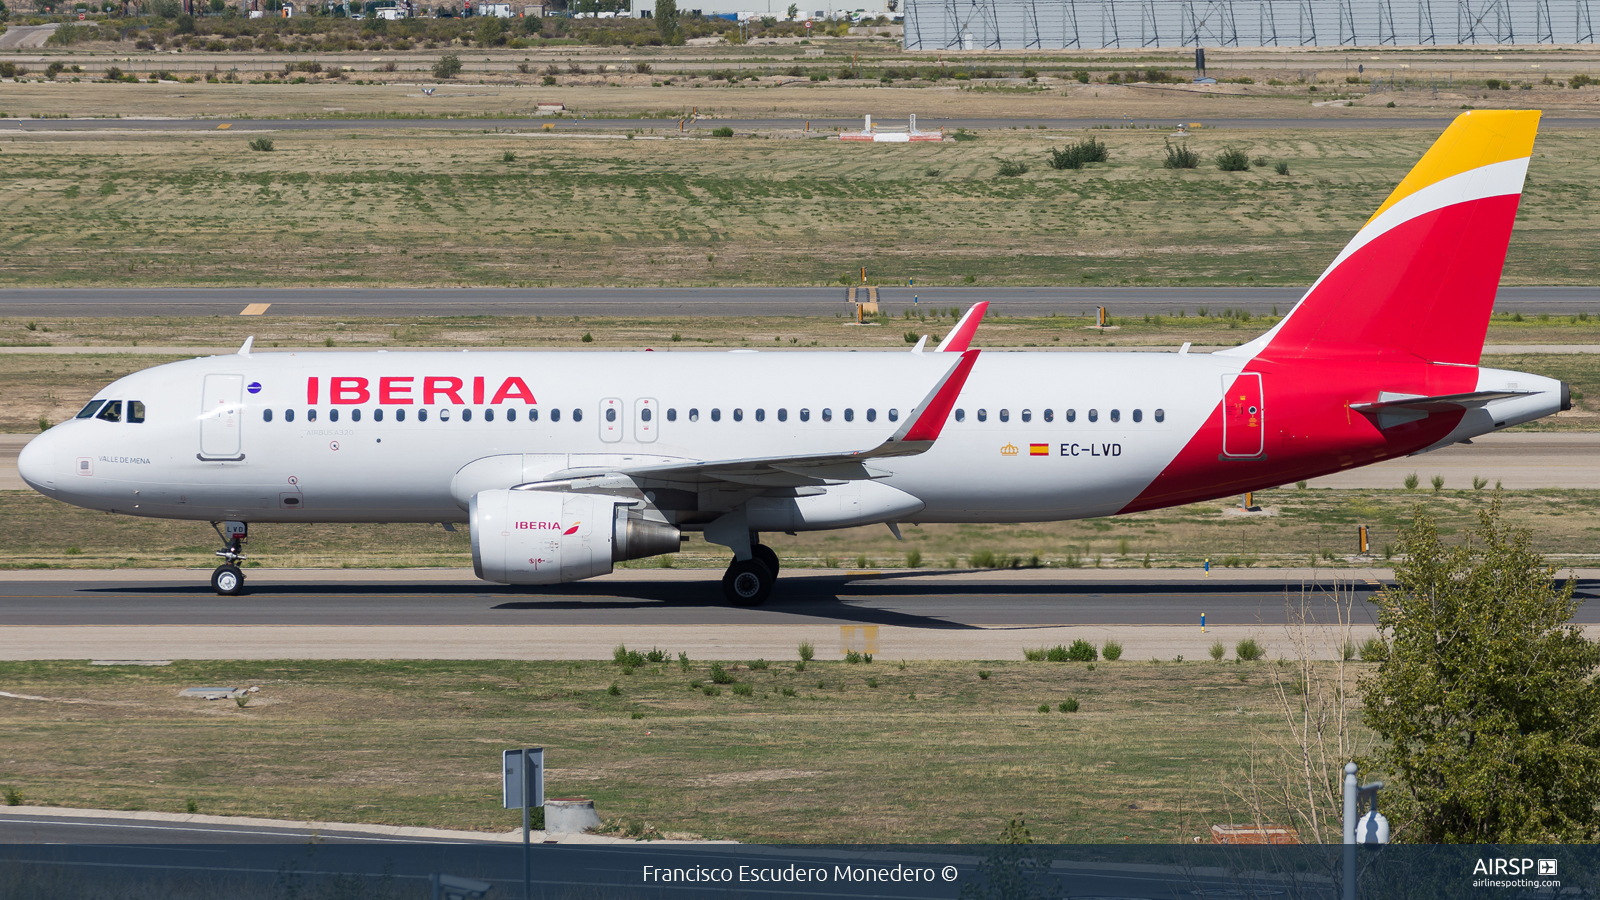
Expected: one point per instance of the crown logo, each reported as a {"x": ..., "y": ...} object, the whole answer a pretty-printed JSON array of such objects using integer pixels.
[{"x": 1009, "y": 450}]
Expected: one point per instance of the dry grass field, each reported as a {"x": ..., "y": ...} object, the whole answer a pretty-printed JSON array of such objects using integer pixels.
[
  {"x": 444, "y": 209},
  {"x": 879, "y": 752}
]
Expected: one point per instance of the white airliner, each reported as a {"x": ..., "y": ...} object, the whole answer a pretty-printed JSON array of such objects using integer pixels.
[{"x": 564, "y": 463}]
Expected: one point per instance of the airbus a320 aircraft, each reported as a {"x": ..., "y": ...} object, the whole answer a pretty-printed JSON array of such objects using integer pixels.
[{"x": 565, "y": 463}]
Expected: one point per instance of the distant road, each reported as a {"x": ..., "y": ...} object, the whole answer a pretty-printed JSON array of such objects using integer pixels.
[
  {"x": 790, "y": 122},
  {"x": 719, "y": 301}
]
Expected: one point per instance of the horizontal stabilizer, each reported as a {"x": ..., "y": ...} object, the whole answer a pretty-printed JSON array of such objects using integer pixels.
[{"x": 1442, "y": 403}]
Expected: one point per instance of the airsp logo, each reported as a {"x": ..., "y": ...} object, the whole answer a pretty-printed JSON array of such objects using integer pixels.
[{"x": 1547, "y": 867}]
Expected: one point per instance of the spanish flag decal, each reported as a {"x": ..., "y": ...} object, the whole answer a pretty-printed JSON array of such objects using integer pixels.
[{"x": 1038, "y": 449}]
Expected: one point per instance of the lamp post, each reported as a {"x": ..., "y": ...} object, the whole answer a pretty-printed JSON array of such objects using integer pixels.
[{"x": 1371, "y": 828}]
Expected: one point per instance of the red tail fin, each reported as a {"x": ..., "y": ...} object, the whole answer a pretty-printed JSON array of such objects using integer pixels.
[{"x": 1420, "y": 277}]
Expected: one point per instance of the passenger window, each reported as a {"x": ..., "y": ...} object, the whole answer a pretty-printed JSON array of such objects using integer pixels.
[
  {"x": 91, "y": 409},
  {"x": 399, "y": 415},
  {"x": 783, "y": 415},
  {"x": 694, "y": 414},
  {"x": 1072, "y": 415},
  {"x": 1005, "y": 415},
  {"x": 761, "y": 415},
  {"x": 488, "y": 414},
  {"x": 136, "y": 411},
  {"x": 1161, "y": 415},
  {"x": 738, "y": 414},
  {"x": 805, "y": 415},
  {"x": 377, "y": 414},
  {"x": 288, "y": 415},
  {"x": 266, "y": 415},
  {"x": 983, "y": 415},
  {"x": 1027, "y": 415},
  {"x": 672, "y": 414},
  {"x": 333, "y": 415},
  {"x": 533, "y": 414},
  {"x": 577, "y": 415},
  {"x": 1116, "y": 415},
  {"x": 644, "y": 414},
  {"x": 961, "y": 415},
  {"x": 1049, "y": 415},
  {"x": 422, "y": 415},
  {"x": 466, "y": 415},
  {"x": 1094, "y": 415},
  {"x": 355, "y": 415},
  {"x": 827, "y": 414},
  {"x": 849, "y": 415},
  {"x": 716, "y": 414},
  {"x": 311, "y": 415},
  {"x": 511, "y": 415},
  {"x": 112, "y": 412},
  {"x": 894, "y": 415},
  {"x": 872, "y": 415},
  {"x": 1138, "y": 415}
]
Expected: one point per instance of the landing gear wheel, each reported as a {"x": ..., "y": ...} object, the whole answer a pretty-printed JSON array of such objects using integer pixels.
[
  {"x": 228, "y": 580},
  {"x": 748, "y": 582},
  {"x": 767, "y": 555}
]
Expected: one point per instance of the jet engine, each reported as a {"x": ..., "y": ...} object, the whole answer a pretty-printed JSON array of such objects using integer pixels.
[{"x": 548, "y": 537}]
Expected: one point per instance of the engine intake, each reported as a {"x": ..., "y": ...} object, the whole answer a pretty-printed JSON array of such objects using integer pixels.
[{"x": 545, "y": 537}]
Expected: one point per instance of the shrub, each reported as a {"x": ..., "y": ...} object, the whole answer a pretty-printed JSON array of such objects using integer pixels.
[
  {"x": 683, "y": 661},
  {"x": 1012, "y": 168},
  {"x": 1179, "y": 156},
  {"x": 1438, "y": 483},
  {"x": 1082, "y": 651},
  {"x": 636, "y": 715},
  {"x": 1282, "y": 168},
  {"x": 1070, "y": 705},
  {"x": 1348, "y": 650},
  {"x": 1249, "y": 649},
  {"x": 1033, "y": 655},
  {"x": 614, "y": 690},
  {"x": 1232, "y": 159},
  {"x": 1411, "y": 482},
  {"x": 1579, "y": 80},
  {"x": 656, "y": 655},
  {"x": 1044, "y": 707},
  {"x": 1259, "y": 162},
  {"x": 1373, "y": 649},
  {"x": 724, "y": 131},
  {"x": 852, "y": 657},
  {"x": 13, "y": 796},
  {"x": 1058, "y": 653},
  {"x": 807, "y": 651},
  {"x": 1075, "y": 156},
  {"x": 1081, "y": 75},
  {"x": 743, "y": 690},
  {"x": 1111, "y": 650},
  {"x": 548, "y": 80},
  {"x": 508, "y": 156},
  {"x": 788, "y": 692},
  {"x": 191, "y": 806},
  {"x": 448, "y": 66},
  {"x": 622, "y": 656},
  {"x": 711, "y": 690},
  {"x": 983, "y": 559},
  {"x": 719, "y": 675},
  {"x": 1218, "y": 651},
  {"x": 984, "y": 674},
  {"x": 587, "y": 338},
  {"x": 963, "y": 135},
  {"x": 914, "y": 559},
  {"x": 262, "y": 145}
]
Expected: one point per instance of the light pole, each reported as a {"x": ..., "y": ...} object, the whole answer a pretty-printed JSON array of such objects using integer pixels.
[{"x": 1371, "y": 828}]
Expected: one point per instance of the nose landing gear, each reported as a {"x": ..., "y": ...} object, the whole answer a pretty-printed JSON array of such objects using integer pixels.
[{"x": 228, "y": 579}]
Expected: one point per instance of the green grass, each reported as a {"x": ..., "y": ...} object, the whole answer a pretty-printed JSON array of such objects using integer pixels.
[
  {"x": 323, "y": 209},
  {"x": 417, "y": 743}
]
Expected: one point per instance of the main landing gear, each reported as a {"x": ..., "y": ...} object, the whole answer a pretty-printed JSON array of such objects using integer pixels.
[
  {"x": 228, "y": 579},
  {"x": 749, "y": 582}
]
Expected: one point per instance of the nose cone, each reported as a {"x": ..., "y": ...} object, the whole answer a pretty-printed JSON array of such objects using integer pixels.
[{"x": 37, "y": 463}]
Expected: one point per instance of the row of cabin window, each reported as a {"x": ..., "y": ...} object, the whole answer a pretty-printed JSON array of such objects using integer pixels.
[
  {"x": 761, "y": 415},
  {"x": 1070, "y": 415},
  {"x": 422, "y": 415},
  {"x": 111, "y": 411}
]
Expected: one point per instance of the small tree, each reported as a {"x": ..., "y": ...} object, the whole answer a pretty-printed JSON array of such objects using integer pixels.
[
  {"x": 667, "y": 20},
  {"x": 794, "y": 11},
  {"x": 448, "y": 66},
  {"x": 1485, "y": 702}
]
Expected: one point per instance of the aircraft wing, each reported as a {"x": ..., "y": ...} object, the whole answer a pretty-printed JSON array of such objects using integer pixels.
[
  {"x": 960, "y": 337},
  {"x": 921, "y": 428}
]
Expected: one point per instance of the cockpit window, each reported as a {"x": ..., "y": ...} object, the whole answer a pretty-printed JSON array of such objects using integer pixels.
[
  {"x": 111, "y": 412},
  {"x": 89, "y": 411},
  {"x": 136, "y": 411}
]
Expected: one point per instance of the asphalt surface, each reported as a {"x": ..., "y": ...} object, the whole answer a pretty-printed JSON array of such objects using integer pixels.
[
  {"x": 538, "y": 123},
  {"x": 886, "y": 600},
  {"x": 740, "y": 301},
  {"x": 39, "y": 828}
]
